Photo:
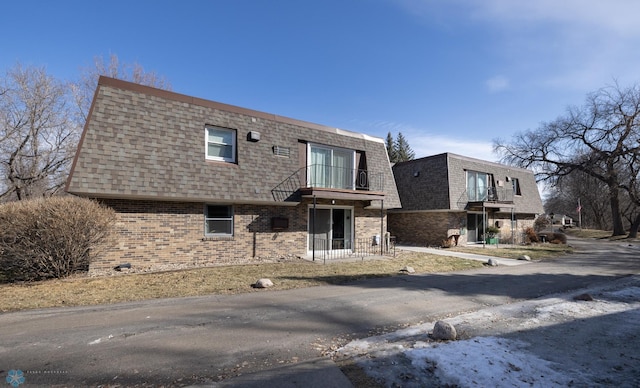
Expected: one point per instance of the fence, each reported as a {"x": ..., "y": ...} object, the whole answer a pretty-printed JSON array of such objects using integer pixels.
[{"x": 323, "y": 249}]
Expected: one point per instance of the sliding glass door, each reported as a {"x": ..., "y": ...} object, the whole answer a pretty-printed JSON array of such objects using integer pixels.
[
  {"x": 331, "y": 167},
  {"x": 331, "y": 228}
]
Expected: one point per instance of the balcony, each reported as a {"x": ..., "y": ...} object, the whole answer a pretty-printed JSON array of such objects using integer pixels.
[
  {"x": 331, "y": 182},
  {"x": 490, "y": 197}
]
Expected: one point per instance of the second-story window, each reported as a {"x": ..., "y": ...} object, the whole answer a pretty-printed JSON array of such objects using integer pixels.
[
  {"x": 331, "y": 167},
  {"x": 220, "y": 144},
  {"x": 516, "y": 186},
  {"x": 477, "y": 185}
]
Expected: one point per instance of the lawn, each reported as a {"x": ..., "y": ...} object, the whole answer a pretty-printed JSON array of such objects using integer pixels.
[
  {"x": 122, "y": 287},
  {"x": 535, "y": 251}
]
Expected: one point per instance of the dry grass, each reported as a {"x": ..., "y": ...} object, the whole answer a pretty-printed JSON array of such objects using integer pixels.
[
  {"x": 589, "y": 233},
  {"x": 82, "y": 291},
  {"x": 535, "y": 252}
]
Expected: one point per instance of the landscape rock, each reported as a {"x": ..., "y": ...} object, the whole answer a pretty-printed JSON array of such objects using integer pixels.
[
  {"x": 525, "y": 257},
  {"x": 444, "y": 331},
  {"x": 263, "y": 283},
  {"x": 492, "y": 262},
  {"x": 584, "y": 297},
  {"x": 408, "y": 269}
]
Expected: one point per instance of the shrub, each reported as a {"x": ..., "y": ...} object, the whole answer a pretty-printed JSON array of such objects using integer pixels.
[
  {"x": 51, "y": 238},
  {"x": 531, "y": 235},
  {"x": 557, "y": 238},
  {"x": 542, "y": 221}
]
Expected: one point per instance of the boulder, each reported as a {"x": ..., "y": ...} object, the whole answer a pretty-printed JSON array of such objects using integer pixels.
[
  {"x": 444, "y": 331},
  {"x": 492, "y": 262},
  {"x": 408, "y": 269},
  {"x": 263, "y": 283},
  {"x": 525, "y": 258},
  {"x": 584, "y": 297}
]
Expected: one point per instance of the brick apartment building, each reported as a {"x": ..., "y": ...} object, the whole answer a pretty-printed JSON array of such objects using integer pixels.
[{"x": 198, "y": 182}]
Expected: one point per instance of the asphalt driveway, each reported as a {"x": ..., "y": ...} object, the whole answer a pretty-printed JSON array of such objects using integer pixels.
[{"x": 280, "y": 334}]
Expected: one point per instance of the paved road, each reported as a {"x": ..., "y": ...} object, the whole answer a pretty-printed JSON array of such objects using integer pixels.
[{"x": 200, "y": 340}]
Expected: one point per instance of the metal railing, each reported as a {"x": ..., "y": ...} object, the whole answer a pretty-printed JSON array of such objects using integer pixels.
[
  {"x": 490, "y": 194},
  {"x": 340, "y": 249},
  {"x": 328, "y": 177}
]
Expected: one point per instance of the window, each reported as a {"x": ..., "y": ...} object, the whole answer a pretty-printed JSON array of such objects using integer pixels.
[
  {"x": 516, "y": 186},
  {"x": 331, "y": 167},
  {"x": 220, "y": 144},
  {"x": 218, "y": 220},
  {"x": 477, "y": 185}
]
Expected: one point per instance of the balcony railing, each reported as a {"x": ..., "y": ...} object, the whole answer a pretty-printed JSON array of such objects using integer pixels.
[
  {"x": 491, "y": 194},
  {"x": 328, "y": 177}
]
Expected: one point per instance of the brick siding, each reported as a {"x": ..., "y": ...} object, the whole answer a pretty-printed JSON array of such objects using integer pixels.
[{"x": 153, "y": 234}]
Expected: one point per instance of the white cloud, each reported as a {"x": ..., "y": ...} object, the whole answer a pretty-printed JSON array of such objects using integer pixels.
[
  {"x": 497, "y": 83},
  {"x": 569, "y": 45}
]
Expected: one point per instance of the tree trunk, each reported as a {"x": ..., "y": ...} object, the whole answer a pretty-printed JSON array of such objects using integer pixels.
[
  {"x": 616, "y": 217},
  {"x": 633, "y": 232}
]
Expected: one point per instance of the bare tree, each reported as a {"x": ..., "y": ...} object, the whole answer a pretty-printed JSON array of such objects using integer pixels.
[
  {"x": 631, "y": 183},
  {"x": 594, "y": 139},
  {"x": 84, "y": 88},
  {"x": 563, "y": 198},
  {"x": 37, "y": 137}
]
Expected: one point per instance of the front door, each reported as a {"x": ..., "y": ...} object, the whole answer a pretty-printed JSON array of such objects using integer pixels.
[
  {"x": 475, "y": 227},
  {"x": 331, "y": 229}
]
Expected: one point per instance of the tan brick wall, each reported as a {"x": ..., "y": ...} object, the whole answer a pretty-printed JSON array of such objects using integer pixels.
[
  {"x": 426, "y": 228},
  {"x": 431, "y": 228},
  {"x": 153, "y": 234}
]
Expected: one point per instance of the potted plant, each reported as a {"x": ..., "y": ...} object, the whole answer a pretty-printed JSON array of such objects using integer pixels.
[{"x": 492, "y": 234}]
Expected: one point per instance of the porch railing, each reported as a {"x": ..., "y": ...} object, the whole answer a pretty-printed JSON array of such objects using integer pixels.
[{"x": 338, "y": 249}]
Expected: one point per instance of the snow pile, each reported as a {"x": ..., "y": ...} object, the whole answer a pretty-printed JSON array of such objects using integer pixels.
[{"x": 409, "y": 358}]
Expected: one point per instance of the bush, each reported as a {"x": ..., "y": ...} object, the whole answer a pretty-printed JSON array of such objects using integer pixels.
[
  {"x": 557, "y": 238},
  {"x": 541, "y": 222},
  {"x": 51, "y": 238},
  {"x": 530, "y": 235}
]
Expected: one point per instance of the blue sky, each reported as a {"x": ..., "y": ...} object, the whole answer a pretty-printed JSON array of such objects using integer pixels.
[{"x": 451, "y": 75}]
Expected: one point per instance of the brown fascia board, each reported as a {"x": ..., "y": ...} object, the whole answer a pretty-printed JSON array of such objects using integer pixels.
[{"x": 169, "y": 95}]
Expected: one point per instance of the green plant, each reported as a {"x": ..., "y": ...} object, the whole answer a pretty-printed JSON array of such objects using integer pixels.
[
  {"x": 51, "y": 238},
  {"x": 492, "y": 231}
]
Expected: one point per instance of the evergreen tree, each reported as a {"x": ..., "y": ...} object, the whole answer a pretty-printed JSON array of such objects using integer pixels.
[
  {"x": 391, "y": 148},
  {"x": 398, "y": 149},
  {"x": 403, "y": 150}
]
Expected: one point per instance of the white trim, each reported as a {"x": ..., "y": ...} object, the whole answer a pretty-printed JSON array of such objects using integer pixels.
[{"x": 234, "y": 135}]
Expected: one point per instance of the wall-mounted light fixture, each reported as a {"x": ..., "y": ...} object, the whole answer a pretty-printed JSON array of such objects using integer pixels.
[{"x": 253, "y": 136}]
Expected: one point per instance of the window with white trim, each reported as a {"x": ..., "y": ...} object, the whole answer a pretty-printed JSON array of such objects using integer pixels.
[
  {"x": 218, "y": 220},
  {"x": 220, "y": 144}
]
